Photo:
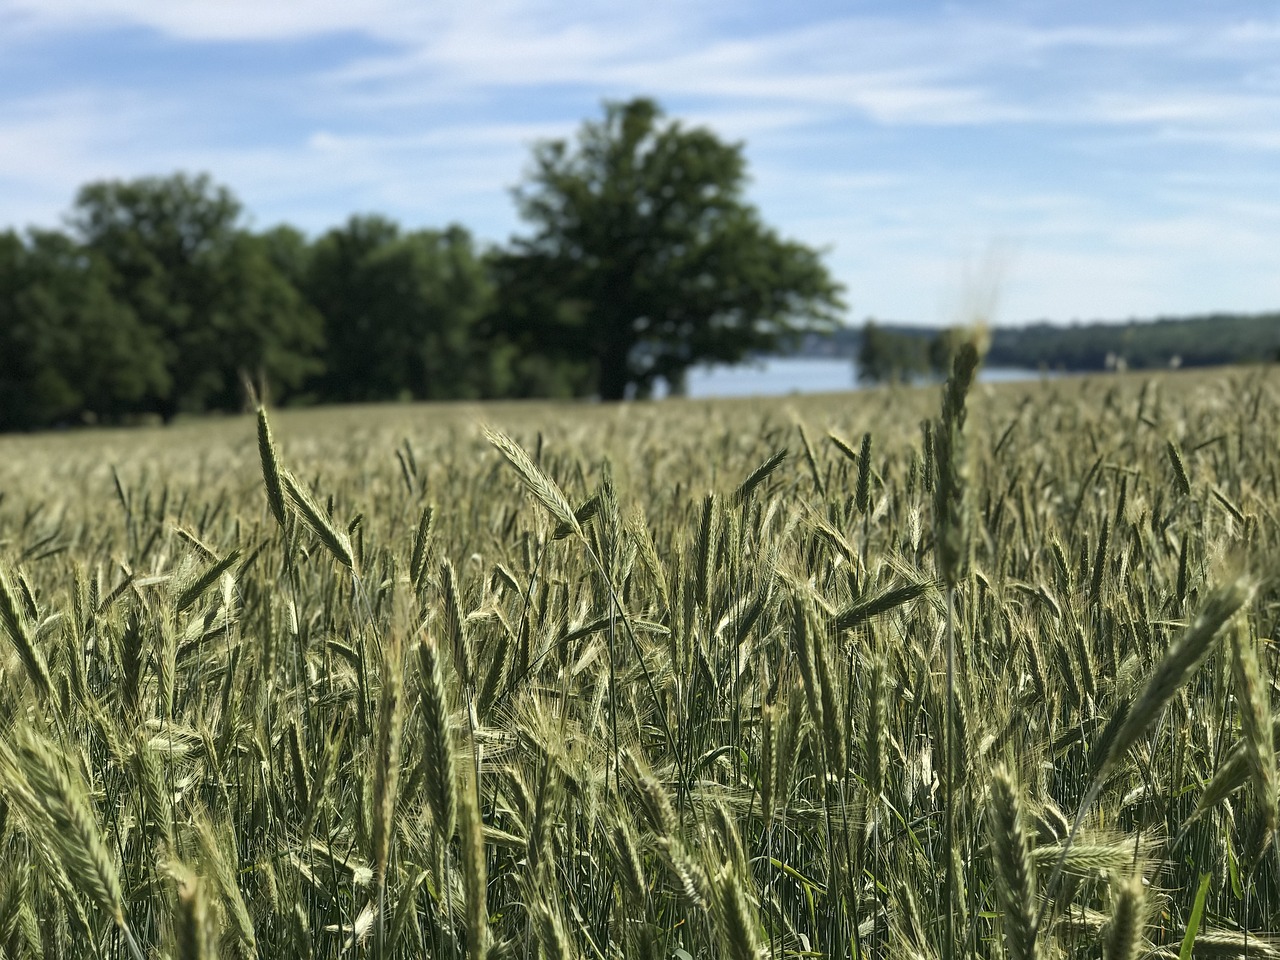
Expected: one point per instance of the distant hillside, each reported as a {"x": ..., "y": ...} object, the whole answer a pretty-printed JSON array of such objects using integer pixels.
[{"x": 1139, "y": 344}]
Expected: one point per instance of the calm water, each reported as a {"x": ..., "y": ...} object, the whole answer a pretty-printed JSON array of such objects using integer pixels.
[{"x": 780, "y": 376}]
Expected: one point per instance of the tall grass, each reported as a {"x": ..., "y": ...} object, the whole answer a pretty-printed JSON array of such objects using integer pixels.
[{"x": 633, "y": 682}]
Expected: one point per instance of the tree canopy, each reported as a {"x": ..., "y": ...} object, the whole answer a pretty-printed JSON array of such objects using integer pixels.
[
  {"x": 401, "y": 311},
  {"x": 67, "y": 347},
  {"x": 652, "y": 258},
  {"x": 215, "y": 305}
]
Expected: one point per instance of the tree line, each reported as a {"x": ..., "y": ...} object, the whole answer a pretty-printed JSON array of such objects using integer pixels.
[
  {"x": 643, "y": 259},
  {"x": 1194, "y": 341},
  {"x": 889, "y": 353}
]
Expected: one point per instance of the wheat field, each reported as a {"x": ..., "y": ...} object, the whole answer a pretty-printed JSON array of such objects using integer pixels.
[{"x": 927, "y": 673}]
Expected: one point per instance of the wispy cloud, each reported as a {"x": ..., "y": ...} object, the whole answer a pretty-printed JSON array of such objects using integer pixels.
[
  {"x": 1188, "y": 106},
  {"x": 54, "y": 143},
  {"x": 211, "y": 19},
  {"x": 1100, "y": 140}
]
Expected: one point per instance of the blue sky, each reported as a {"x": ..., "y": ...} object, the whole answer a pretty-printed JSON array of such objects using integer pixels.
[{"x": 1022, "y": 159}]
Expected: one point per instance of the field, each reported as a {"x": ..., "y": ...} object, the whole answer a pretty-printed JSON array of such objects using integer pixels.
[{"x": 984, "y": 678}]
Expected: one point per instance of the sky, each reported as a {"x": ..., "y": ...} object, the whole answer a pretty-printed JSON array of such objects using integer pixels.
[{"x": 1016, "y": 160}]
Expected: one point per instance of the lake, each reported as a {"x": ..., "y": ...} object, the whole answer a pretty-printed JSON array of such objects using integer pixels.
[{"x": 778, "y": 376}]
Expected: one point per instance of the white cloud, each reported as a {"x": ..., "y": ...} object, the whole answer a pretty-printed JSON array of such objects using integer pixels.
[
  {"x": 866, "y": 132},
  {"x": 1264, "y": 139},
  {"x": 1101, "y": 38},
  {"x": 954, "y": 71},
  {"x": 54, "y": 144},
  {"x": 1190, "y": 106},
  {"x": 212, "y": 19}
]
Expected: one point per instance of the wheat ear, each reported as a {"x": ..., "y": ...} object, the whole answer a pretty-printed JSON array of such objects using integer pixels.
[
  {"x": 1128, "y": 920},
  {"x": 386, "y": 759},
  {"x": 474, "y": 875},
  {"x": 1255, "y": 714},
  {"x": 739, "y": 926},
  {"x": 14, "y": 617},
  {"x": 438, "y": 756},
  {"x": 191, "y": 927},
  {"x": 1016, "y": 870},
  {"x": 1177, "y": 667},
  {"x": 270, "y": 468},
  {"x": 315, "y": 517},
  {"x": 544, "y": 489},
  {"x": 56, "y": 800},
  {"x": 1230, "y": 776}
]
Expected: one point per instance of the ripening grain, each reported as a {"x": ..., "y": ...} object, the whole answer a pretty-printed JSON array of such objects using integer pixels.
[{"x": 649, "y": 681}]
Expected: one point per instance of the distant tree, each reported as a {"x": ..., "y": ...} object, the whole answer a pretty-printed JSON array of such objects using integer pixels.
[
  {"x": 68, "y": 350},
  {"x": 289, "y": 251},
  {"x": 270, "y": 330},
  {"x": 942, "y": 350},
  {"x": 873, "y": 361},
  {"x": 885, "y": 356},
  {"x": 647, "y": 257},
  {"x": 181, "y": 262},
  {"x": 1142, "y": 344},
  {"x": 401, "y": 311}
]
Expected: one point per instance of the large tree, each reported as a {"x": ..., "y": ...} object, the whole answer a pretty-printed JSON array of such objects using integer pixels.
[
  {"x": 651, "y": 256},
  {"x": 181, "y": 261}
]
